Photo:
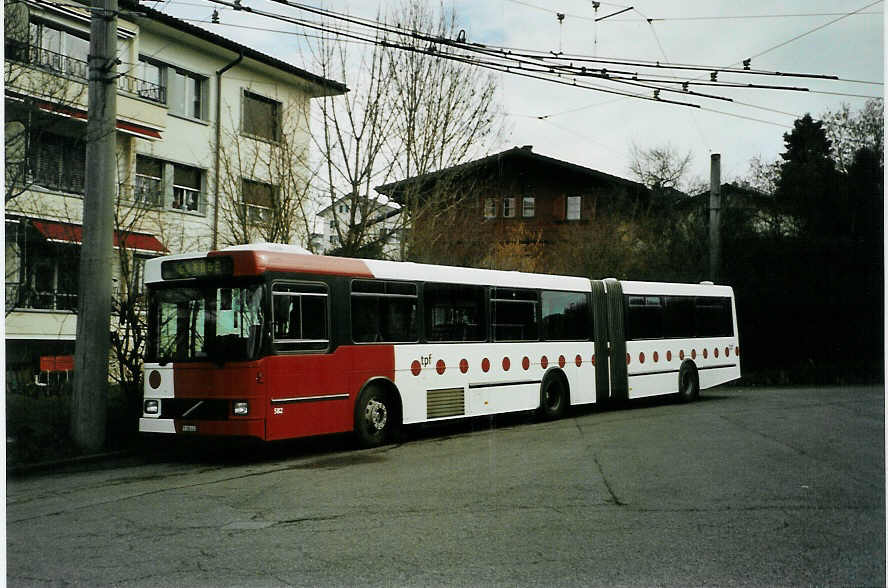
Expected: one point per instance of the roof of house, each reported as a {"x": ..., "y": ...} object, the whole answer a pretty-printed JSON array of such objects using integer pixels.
[
  {"x": 380, "y": 203},
  {"x": 331, "y": 87},
  {"x": 734, "y": 195},
  {"x": 525, "y": 153}
]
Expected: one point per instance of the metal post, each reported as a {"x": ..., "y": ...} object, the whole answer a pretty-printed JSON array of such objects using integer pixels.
[
  {"x": 88, "y": 406},
  {"x": 715, "y": 217}
]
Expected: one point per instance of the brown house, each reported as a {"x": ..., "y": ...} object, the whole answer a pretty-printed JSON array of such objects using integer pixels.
[{"x": 515, "y": 200}]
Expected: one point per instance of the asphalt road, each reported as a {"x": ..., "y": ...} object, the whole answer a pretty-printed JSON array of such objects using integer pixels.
[{"x": 754, "y": 487}]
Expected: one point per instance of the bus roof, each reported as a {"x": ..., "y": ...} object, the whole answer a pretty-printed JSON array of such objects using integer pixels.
[
  {"x": 261, "y": 258},
  {"x": 256, "y": 259}
]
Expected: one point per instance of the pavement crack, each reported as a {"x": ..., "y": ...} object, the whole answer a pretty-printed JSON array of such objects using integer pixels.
[{"x": 616, "y": 500}]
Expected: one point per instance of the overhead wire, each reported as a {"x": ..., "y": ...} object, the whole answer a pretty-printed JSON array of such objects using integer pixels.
[{"x": 522, "y": 62}]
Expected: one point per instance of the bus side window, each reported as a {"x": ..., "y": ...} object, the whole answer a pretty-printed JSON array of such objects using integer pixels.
[
  {"x": 678, "y": 317},
  {"x": 566, "y": 316},
  {"x": 513, "y": 314},
  {"x": 454, "y": 313},
  {"x": 384, "y": 312},
  {"x": 713, "y": 317},
  {"x": 643, "y": 317},
  {"x": 299, "y": 317}
]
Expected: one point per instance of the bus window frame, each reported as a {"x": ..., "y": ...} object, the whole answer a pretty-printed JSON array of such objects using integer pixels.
[
  {"x": 273, "y": 342},
  {"x": 419, "y": 318},
  {"x": 590, "y": 319},
  {"x": 537, "y": 306},
  {"x": 485, "y": 314}
]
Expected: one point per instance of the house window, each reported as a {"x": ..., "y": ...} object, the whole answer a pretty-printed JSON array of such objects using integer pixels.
[
  {"x": 258, "y": 199},
  {"x": 42, "y": 274},
  {"x": 574, "y": 206},
  {"x": 182, "y": 91},
  {"x": 508, "y": 207},
  {"x": 58, "y": 162},
  {"x": 149, "y": 181},
  {"x": 186, "y": 188},
  {"x": 261, "y": 117},
  {"x": 333, "y": 224},
  {"x": 152, "y": 81},
  {"x": 490, "y": 208},
  {"x": 62, "y": 51},
  {"x": 528, "y": 206},
  {"x": 185, "y": 93}
]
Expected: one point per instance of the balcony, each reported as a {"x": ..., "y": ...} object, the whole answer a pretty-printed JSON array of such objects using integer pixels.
[
  {"x": 78, "y": 69},
  {"x": 36, "y": 62}
]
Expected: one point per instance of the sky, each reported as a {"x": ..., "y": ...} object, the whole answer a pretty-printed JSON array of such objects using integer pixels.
[{"x": 599, "y": 130}]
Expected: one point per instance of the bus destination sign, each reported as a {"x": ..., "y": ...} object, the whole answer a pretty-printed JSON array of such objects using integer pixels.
[{"x": 201, "y": 267}]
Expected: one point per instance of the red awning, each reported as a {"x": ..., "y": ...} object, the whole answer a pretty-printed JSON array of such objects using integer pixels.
[
  {"x": 70, "y": 233},
  {"x": 123, "y": 126}
]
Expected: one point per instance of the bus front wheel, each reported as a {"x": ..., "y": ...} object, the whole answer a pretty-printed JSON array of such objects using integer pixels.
[
  {"x": 374, "y": 417},
  {"x": 688, "y": 382}
]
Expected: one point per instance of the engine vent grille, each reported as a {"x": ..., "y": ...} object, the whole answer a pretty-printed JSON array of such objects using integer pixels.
[{"x": 447, "y": 402}]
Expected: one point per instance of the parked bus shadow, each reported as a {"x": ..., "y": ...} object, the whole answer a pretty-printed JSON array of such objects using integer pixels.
[{"x": 341, "y": 450}]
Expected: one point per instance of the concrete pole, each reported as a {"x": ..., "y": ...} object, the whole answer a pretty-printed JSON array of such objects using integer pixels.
[
  {"x": 89, "y": 403},
  {"x": 715, "y": 217}
]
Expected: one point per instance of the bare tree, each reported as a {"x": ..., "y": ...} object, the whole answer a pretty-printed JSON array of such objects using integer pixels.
[
  {"x": 410, "y": 112},
  {"x": 848, "y": 132},
  {"x": 43, "y": 89},
  {"x": 264, "y": 185},
  {"x": 662, "y": 169}
]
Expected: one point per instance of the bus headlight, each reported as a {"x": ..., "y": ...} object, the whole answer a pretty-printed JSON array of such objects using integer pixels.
[
  {"x": 152, "y": 406},
  {"x": 241, "y": 408}
]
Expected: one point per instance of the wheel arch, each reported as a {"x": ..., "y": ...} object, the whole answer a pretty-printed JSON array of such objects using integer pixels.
[
  {"x": 391, "y": 391},
  {"x": 555, "y": 372}
]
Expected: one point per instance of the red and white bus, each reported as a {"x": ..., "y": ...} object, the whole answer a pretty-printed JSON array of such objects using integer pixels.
[{"x": 263, "y": 341}]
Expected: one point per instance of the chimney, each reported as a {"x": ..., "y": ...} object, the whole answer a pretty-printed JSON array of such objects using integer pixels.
[{"x": 527, "y": 147}]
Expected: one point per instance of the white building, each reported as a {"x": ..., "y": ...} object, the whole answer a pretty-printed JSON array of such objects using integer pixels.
[
  {"x": 206, "y": 128},
  {"x": 383, "y": 227}
]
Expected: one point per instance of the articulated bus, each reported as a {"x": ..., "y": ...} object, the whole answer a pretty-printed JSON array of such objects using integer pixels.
[{"x": 264, "y": 341}]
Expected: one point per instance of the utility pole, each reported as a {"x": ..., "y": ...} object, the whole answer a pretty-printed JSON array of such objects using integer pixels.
[
  {"x": 715, "y": 217},
  {"x": 89, "y": 403}
]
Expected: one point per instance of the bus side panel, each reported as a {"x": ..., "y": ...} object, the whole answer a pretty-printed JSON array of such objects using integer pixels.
[
  {"x": 315, "y": 394},
  {"x": 653, "y": 365},
  {"x": 443, "y": 381}
]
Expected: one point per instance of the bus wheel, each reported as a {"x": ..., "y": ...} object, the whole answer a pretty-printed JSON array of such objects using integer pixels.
[
  {"x": 553, "y": 398},
  {"x": 374, "y": 417},
  {"x": 688, "y": 382}
]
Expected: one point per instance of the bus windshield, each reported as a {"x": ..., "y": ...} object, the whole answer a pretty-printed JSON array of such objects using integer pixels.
[{"x": 209, "y": 323}]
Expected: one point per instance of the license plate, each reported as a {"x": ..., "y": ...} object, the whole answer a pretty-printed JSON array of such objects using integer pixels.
[{"x": 189, "y": 428}]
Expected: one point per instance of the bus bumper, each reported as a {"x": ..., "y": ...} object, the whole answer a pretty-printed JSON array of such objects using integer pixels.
[{"x": 229, "y": 428}]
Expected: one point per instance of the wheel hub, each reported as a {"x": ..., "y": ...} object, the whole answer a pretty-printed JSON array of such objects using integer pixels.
[{"x": 376, "y": 414}]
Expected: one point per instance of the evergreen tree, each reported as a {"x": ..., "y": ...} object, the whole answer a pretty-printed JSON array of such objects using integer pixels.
[{"x": 808, "y": 186}]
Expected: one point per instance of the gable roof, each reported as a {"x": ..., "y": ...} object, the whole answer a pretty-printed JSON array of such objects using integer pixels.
[
  {"x": 525, "y": 154},
  {"x": 327, "y": 87}
]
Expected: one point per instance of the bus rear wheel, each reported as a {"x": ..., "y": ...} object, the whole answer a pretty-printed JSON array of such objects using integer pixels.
[
  {"x": 553, "y": 398},
  {"x": 688, "y": 382},
  {"x": 374, "y": 417}
]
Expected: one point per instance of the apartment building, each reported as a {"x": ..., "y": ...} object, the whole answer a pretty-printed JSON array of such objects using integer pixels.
[
  {"x": 212, "y": 141},
  {"x": 381, "y": 230}
]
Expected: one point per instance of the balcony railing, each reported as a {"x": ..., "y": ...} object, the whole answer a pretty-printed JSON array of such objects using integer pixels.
[
  {"x": 23, "y": 298},
  {"x": 65, "y": 65}
]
